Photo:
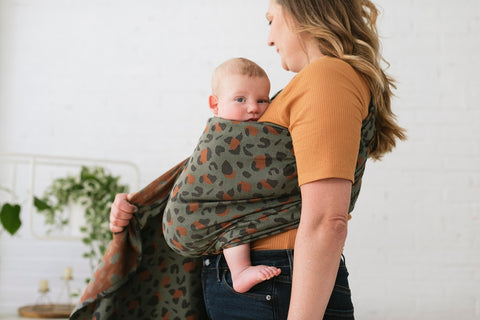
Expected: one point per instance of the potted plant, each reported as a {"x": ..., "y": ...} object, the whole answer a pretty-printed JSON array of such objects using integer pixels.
[{"x": 94, "y": 189}]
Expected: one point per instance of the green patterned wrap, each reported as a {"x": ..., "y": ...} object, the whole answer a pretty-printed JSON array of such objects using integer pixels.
[
  {"x": 239, "y": 185},
  {"x": 141, "y": 277}
]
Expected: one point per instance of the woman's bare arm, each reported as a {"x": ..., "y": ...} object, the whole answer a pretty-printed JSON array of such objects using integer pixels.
[{"x": 318, "y": 247}]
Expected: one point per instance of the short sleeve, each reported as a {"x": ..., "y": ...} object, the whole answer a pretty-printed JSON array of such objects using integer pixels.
[{"x": 325, "y": 122}]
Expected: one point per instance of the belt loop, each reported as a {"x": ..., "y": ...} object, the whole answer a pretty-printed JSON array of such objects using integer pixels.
[
  {"x": 217, "y": 266},
  {"x": 290, "y": 261}
]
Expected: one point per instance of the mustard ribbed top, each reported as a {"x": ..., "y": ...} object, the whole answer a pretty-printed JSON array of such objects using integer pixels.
[{"x": 323, "y": 107}]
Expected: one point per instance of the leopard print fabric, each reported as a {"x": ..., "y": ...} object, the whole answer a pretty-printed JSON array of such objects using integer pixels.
[
  {"x": 239, "y": 185},
  {"x": 140, "y": 277}
]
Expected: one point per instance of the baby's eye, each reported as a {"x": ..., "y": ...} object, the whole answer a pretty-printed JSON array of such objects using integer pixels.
[
  {"x": 263, "y": 101},
  {"x": 240, "y": 99}
]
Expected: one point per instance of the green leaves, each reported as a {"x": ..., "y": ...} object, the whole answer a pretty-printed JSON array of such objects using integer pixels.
[
  {"x": 10, "y": 217},
  {"x": 40, "y": 204},
  {"x": 94, "y": 189}
]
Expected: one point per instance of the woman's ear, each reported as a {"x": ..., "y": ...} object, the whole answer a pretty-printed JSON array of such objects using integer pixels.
[{"x": 213, "y": 103}]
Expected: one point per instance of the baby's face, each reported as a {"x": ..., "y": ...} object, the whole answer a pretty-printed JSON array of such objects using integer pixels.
[{"x": 242, "y": 98}]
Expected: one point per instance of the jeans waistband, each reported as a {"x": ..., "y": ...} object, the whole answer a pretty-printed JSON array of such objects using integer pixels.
[
  {"x": 277, "y": 258},
  {"x": 282, "y": 259}
]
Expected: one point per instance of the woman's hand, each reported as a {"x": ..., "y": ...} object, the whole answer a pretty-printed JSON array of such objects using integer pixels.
[{"x": 121, "y": 212}]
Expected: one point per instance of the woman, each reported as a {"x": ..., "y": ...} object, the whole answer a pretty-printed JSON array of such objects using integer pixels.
[{"x": 333, "y": 46}]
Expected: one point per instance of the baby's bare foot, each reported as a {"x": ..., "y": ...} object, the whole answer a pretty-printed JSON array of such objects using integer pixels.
[{"x": 250, "y": 276}]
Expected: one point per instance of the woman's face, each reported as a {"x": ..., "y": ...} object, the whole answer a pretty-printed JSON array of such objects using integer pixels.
[{"x": 295, "y": 51}]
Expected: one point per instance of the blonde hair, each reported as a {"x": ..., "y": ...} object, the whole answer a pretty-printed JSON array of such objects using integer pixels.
[
  {"x": 240, "y": 66},
  {"x": 347, "y": 30}
]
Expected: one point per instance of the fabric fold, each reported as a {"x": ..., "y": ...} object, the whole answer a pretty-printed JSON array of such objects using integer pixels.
[
  {"x": 141, "y": 277},
  {"x": 239, "y": 185}
]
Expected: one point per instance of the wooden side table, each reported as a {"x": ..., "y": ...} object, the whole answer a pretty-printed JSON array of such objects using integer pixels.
[{"x": 51, "y": 311}]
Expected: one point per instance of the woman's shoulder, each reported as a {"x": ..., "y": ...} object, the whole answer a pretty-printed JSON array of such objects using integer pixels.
[
  {"x": 335, "y": 76},
  {"x": 327, "y": 68},
  {"x": 330, "y": 81},
  {"x": 328, "y": 62}
]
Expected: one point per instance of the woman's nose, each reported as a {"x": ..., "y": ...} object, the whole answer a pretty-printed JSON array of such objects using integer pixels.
[{"x": 270, "y": 41}]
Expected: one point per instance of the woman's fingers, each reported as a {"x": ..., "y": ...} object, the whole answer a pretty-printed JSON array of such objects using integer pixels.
[
  {"x": 121, "y": 212},
  {"x": 115, "y": 229},
  {"x": 121, "y": 208},
  {"x": 130, "y": 196}
]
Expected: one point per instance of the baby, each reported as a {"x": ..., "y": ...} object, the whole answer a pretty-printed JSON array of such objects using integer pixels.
[{"x": 240, "y": 91}]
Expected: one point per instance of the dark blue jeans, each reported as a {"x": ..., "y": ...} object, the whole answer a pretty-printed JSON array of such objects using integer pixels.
[{"x": 270, "y": 299}]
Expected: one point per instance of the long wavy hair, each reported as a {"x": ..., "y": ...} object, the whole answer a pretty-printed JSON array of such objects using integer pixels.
[{"x": 346, "y": 29}]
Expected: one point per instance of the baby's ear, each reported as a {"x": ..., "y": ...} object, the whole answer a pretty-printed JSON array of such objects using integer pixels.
[{"x": 213, "y": 103}]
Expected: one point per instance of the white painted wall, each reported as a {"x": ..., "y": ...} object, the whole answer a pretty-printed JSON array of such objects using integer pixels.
[{"x": 129, "y": 80}]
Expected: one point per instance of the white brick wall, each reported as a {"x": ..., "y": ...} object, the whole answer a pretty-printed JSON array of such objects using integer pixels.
[{"x": 129, "y": 80}]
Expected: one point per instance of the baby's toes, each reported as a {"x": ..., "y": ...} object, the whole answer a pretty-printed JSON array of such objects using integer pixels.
[{"x": 271, "y": 272}]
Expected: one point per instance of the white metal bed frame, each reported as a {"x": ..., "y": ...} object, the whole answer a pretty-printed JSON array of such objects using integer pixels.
[{"x": 34, "y": 160}]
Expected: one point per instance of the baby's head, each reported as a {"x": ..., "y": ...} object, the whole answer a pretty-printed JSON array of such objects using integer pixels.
[{"x": 240, "y": 90}]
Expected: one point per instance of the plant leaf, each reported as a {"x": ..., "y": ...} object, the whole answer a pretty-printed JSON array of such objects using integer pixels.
[
  {"x": 94, "y": 189},
  {"x": 10, "y": 217},
  {"x": 40, "y": 204}
]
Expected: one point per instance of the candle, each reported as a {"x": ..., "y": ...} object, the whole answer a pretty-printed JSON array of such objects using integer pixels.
[
  {"x": 67, "y": 273},
  {"x": 43, "y": 286}
]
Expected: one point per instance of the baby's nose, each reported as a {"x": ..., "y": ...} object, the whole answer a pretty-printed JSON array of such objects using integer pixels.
[{"x": 253, "y": 107}]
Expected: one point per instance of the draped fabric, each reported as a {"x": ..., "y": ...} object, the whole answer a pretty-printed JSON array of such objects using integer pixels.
[
  {"x": 140, "y": 277},
  {"x": 239, "y": 185}
]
